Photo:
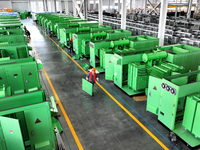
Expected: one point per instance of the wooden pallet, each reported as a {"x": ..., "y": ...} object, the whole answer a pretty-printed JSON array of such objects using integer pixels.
[{"x": 140, "y": 98}]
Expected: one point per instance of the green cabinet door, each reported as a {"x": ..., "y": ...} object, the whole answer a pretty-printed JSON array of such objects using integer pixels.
[
  {"x": 10, "y": 134},
  {"x": 87, "y": 86}
]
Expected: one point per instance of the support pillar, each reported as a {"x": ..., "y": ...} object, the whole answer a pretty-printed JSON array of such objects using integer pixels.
[
  {"x": 198, "y": 7},
  {"x": 94, "y": 5},
  {"x": 74, "y": 9},
  {"x": 123, "y": 15},
  {"x": 85, "y": 8},
  {"x": 11, "y": 4},
  {"x": 100, "y": 12},
  {"x": 189, "y": 9},
  {"x": 66, "y": 7},
  {"x": 29, "y": 5},
  {"x": 46, "y": 2},
  {"x": 60, "y": 6},
  {"x": 162, "y": 22},
  {"x": 180, "y": 3},
  {"x": 119, "y": 6},
  {"x": 109, "y": 6},
  {"x": 131, "y": 5},
  {"x": 52, "y": 5},
  {"x": 176, "y": 9},
  {"x": 89, "y": 5},
  {"x": 55, "y": 5},
  {"x": 145, "y": 6},
  {"x": 44, "y": 8}
]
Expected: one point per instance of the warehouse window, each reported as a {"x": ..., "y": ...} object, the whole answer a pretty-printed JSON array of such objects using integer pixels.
[
  {"x": 57, "y": 6},
  {"x": 40, "y": 6},
  {"x": 33, "y": 6},
  {"x": 37, "y": 6}
]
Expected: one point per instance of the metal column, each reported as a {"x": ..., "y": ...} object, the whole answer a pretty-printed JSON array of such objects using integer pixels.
[
  {"x": 85, "y": 8},
  {"x": 145, "y": 6},
  {"x": 189, "y": 9},
  {"x": 118, "y": 9},
  {"x": 94, "y": 5},
  {"x": 60, "y": 6},
  {"x": 52, "y": 5},
  {"x": 11, "y": 4},
  {"x": 46, "y": 2},
  {"x": 131, "y": 6},
  {"x": 29, "y": 5},
  {"x": 55, "y": 5},
  {"x": 109, "y": 6},
  {"x": 89, "y": 5},
  {"x": 162, "y": 22},
  {"x": 44, "y": 8},
  {"x": 180, "y": 3},
  {"x": 74, "y": 9},
  {"x": 123, "y": 15},
  {"x": 176, "y": 9},
  {"x": 198, "y": 7},
  {"x": 100, "y": 12},
  {"x": 66, "y": 7}
]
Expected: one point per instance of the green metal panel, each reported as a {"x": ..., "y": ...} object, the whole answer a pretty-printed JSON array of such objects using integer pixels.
[
  {"x": 15, "y": 52},
  {"x": 109, "y": 68},
  {"x": 196, "y": 129},
  {"x": 183, "y": 55},
  {"x": 10, "y": 39},
  {"x": 29, "y": 71},
  {"x": 11, "y": 32},
  {"x": 10, "y": 134},
  {"x": 189, "y": 114},
  {"x": 169, "y": 103},
  {"x": 153, "y": 97},
  {"x": 10, "y": 26},
  {"x": 41, "y": 133},
  {"x": 22, "y": 100},
  {"x": 95, "y": 52},
  {"x": 87, "y": 86},
  {"x": 15, "y": 79},
  {"x": 137, "y": 76},
  {"x": 21, "y": 77},
  {"x": 38, "y": 123}
]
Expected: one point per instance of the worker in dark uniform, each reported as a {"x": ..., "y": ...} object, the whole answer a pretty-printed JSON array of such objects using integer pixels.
[
  {"x": 49, "y": 32},
  {"x": 71, "y": 45},
  {"x": 91, "y": 76},
  {"x": 28, "y": 34},
  {"x": 25, "y": 28}
]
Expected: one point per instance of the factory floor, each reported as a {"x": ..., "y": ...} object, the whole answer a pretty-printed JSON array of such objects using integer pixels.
[{"x": 109, "y": 120}]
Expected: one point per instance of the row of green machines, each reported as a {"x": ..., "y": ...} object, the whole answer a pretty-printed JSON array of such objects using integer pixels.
[
  {"x": 169, "y": 75},
  {"x": 27, "y": 115}
]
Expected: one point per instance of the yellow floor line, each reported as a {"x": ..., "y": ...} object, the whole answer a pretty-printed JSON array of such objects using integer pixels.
[
  {"x": 135, "y": 119},
  {"x": 61, "y": 106}
]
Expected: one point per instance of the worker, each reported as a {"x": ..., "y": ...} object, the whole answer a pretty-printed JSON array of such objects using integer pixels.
[
  {"x": 25, "y": 28},
  {"x": 28, "y": 34},
  {"x": 49, "y": 32},
  {"x": 71, "y": 45},
  {"x": 91, "y": 76}
]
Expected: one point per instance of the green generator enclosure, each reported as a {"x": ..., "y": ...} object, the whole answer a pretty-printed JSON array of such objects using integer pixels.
[
  {"x": 11, "y": 39},
  {"x": 15, "y": 52},
  {"x": 10, "y": 26},
  {"x": 72, "y": 23},
  {"x": 19, "y": 77},
  {"x": 27, "y": 127},
  {"x": 178, "y": 104},
  {"x": 183, "y": 55},
  {"x": 83, "y": 24},
  {"x": 97, "y": 54},
  {"x": 12, "y": 32}
]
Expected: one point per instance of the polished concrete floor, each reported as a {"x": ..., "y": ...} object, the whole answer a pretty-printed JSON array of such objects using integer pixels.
[{"x": 98, "y": 121}]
